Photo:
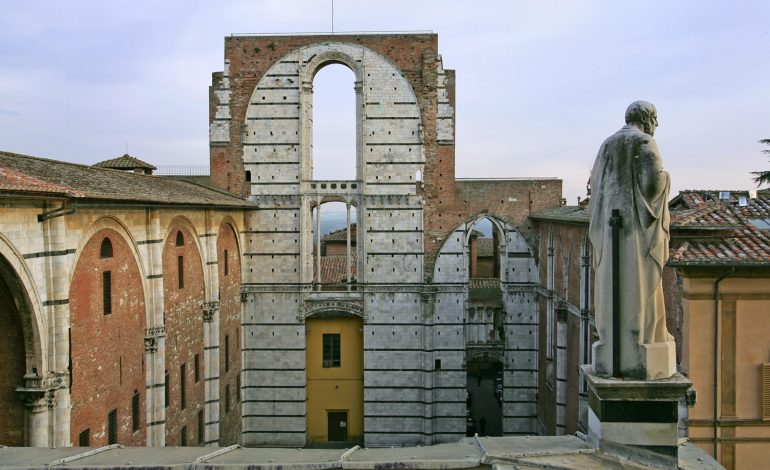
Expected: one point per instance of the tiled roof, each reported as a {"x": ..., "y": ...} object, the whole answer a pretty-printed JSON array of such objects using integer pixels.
[
  {"x": 341, "y": 234},
  {"x": 572, "y": 214},
  {"x": 27, "y": 174},
  {"x": 334, "y": 271},
  {"x": 124, "y": 162},
  {"x": 708, "y": 231},
  {"x": 484, "y": 247},
  {"x": 12, "y": 180}
]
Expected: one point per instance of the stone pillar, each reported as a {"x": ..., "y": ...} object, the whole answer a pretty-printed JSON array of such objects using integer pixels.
[
  {"x": 211, "y": 371},
  {"x": 38, "y": 401},
  {"x": 318, "y": 279},
  {"x": 431, "y": 380},
  {"x": 155, "y": 334},
  {"x": 636, "y": 419},
  {"x": 347, "y": 253},
  {"x": 561, "y": 372},
  {"x": 57, "y": 274}
]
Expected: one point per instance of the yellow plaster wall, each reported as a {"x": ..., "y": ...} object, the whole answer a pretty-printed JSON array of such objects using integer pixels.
[{"x": 335, "y": 388}]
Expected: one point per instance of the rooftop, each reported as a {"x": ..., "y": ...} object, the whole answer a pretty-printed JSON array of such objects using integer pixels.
[
  {"x": 566, "y": 452},
  {"x": 125, "y": 162},
  {"x": 26, "y": 175}
]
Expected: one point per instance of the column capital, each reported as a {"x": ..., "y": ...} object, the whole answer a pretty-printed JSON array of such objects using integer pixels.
[
  {"x": 209, "y": 309},
  {"x": 152, "y": 336},
  {"x": 39, "y": 392}
]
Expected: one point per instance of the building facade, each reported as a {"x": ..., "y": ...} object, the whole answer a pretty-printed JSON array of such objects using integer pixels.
[
  {"x": 116, "y": 298},
  {"x": 406, "y": 315}
]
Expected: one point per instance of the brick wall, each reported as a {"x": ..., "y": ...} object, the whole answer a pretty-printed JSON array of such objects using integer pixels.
[
  {"x": 184, "y": 335},
  {"x": 229, "y": 333},
  {"x": 107, "y": 350},
  {"x": 11, "y": 370}
]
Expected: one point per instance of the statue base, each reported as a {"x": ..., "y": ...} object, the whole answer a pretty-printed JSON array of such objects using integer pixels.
[
  {"x": 635, "y": 419},
  {"x": 641, "y": 362}
]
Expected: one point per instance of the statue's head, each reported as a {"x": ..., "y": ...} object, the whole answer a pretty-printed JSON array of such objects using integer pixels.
[{"x": 644, "y": 115}]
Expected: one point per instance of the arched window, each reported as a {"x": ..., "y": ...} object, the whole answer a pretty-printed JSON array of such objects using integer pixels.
[
  {"x": 106, "y": 249},
  {"x": 334, "y": 124},
  {"x": 179, "y": 239}
]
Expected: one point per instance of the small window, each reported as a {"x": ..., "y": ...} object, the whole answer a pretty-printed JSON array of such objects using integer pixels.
[
  {"x": 165, "y": 390},
  {"x": 107, "y": 292},
  {"x": 227, "y": 398},
  {"x": 112, "y": 427},
  {"x": 437, "y": 364},
  {"x": 84, "y": 438},
  {"x": 179, "y": 239},
  {"x": 106, "y": 249},
  {"x": 331, "y": 350},
  {"x": 197, "y": 360},
  {"x": 226, "y": 267},
  {"x": 183, "y": 386},
  {"x": 135, "y": 417},
  {"x": 238, "y": 388},
  {"x": 227, "y": 353},
  {"x": 183, "y": 437},
  {"x": 248, "y": 175},
  {"x": 201, "y": 429},
  {"x": 180, "y": 270}
]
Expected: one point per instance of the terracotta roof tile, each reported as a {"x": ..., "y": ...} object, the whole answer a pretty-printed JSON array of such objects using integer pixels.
[
  {"x": 334, "y": 271},
  {"x": 124, "y": 162},
  {"x": 341, "y": 234},
  {"x": 737, "y": 241},
  {"x": 86, "y": 182}
]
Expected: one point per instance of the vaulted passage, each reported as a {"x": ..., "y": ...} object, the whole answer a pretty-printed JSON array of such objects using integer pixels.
[
  {"x": 12, "y": 361},
  {"x": 334, "y": 124}
]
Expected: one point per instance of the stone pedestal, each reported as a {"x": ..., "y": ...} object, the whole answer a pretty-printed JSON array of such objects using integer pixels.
[{"x": 635, "y": 419}]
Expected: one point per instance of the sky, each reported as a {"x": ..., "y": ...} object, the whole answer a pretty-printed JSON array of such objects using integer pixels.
[{"x": 540, "y": 84}]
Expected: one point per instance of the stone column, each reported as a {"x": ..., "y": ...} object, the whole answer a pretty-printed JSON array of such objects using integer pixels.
[
  {"x": 431, "y": 380},
  {"x": 57, "y": 274},
  {"x": 211, "y": 371},
  {"x": 347, "y": 253},
  {"x": 318, "y": 245},
  {"x": 155, "y": 334},
  {"x": 38, "y": 401}
]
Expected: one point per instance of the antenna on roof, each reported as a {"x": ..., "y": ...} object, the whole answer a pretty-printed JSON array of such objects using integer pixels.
[{"x": 126, "y": 148}]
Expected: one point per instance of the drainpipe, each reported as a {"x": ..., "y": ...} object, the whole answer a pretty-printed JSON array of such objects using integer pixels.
[{"x": 716, "y": 353}]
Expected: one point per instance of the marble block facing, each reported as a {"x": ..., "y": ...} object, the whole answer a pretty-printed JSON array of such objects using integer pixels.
[{"x": 635, "y": 419}]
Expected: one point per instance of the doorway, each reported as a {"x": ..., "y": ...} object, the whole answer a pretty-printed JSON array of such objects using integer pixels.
[{"x": 338, "y": 426}]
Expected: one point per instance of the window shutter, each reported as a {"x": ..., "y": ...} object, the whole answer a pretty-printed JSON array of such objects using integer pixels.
[{"x": 766, "y": 391}]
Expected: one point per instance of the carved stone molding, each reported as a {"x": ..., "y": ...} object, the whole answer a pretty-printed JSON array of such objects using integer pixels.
[
  {"x": 332, "y": 308},
  {"x": 151, "y": 337},
  {"x": 209, "y": 309},
  {"x": 39, "y": 393}
]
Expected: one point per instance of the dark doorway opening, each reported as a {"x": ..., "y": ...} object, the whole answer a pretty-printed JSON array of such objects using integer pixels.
[
  {"x": 338, "y": 426},
  {"x": 484, "y": 400}
]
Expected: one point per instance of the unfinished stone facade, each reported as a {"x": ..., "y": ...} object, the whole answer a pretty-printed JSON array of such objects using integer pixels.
[{"x": 413, "y": 224}]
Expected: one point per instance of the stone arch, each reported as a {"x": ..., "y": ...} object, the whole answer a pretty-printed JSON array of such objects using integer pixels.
[
  {"x": 333, "y": 309},
  {"x": 109, "y": 222},
  {"x": 289, "y": 129},
  {"x": 22, "y": 343},
  {"x": 108, "y": 318},
  {"x": 170, "y": 234},
  {"x": 14, "y": 269}
]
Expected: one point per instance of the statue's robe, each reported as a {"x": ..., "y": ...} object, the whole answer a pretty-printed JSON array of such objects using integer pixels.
[{"x": 628, "y": 176}]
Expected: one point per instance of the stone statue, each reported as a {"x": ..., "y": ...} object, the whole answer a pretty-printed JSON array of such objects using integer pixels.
[{"x": 628, "y": 176}]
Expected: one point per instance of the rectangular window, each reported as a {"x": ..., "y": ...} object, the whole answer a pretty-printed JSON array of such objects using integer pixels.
[
  {"x": 112, "y": 427},
  {"x": 238, "y": 388},
  {"x": 197, "y": 368},
  {"x": 84, "y": 438},
  {"x": 183, "y": 437},
  {"x": 180, "y": 270},
  {"x": 225, "y": 260},
  {"x": 183, "y": 386},
  {"x": 107, "y": 292},
  {"x": 227, "y": 398},
  {"x": 227, "y": 353},
  {"x": 201, "y": 431},
  {"x": 331, "y": 350},
  {"x": 165, "y": 390},
  {"x": 135, "y": 412}
]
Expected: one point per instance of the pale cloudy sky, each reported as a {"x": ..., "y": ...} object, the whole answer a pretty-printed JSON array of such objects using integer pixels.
[{"x": 540, "y": 84}]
